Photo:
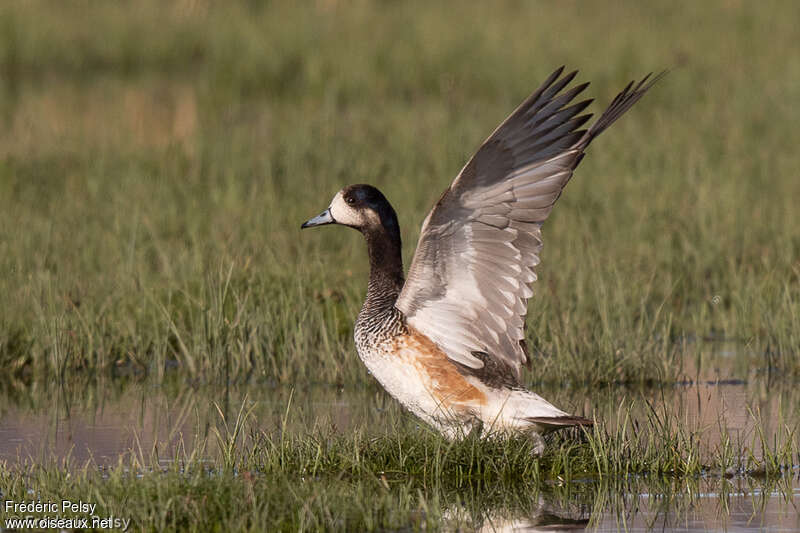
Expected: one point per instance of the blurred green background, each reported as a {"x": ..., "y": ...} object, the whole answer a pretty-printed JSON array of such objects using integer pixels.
[{"x": 157, "y": 158}]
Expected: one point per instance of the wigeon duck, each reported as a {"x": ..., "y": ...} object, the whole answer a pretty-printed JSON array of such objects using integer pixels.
[{"x": 448, "y": 341}]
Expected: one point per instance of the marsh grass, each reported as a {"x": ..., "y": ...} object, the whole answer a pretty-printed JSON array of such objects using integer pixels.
[
  {"x": 157, "y": 160},
  {"x": 409, "y": 477}
]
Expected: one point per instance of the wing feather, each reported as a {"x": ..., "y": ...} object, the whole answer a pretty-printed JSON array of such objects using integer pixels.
[{"x": 469, "y": 281}]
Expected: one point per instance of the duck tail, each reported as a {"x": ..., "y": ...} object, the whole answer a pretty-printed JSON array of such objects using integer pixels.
[{"x": 558, "y": 422}]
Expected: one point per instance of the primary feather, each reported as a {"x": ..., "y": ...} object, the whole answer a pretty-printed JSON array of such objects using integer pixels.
[{"x": 469, "y": 281}]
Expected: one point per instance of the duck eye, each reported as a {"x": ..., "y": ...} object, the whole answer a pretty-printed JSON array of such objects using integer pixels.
[{"x": 350, "y": 200}]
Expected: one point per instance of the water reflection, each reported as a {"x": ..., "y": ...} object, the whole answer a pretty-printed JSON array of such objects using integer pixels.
[
  {"x": 545, "y": 514},
  {"x": 103, "y": 420},
  {"x": 709, "y": 504}
]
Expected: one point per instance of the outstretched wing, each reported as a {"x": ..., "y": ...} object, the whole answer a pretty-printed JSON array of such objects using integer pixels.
[{"x": 468, "y": 285}]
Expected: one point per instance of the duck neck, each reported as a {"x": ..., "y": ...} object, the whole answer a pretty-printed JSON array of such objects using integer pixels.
[{"x": 385, "y": 270}]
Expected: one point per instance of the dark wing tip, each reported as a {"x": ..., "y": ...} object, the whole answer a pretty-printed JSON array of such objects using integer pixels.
[{"x": 622, "y": 102}]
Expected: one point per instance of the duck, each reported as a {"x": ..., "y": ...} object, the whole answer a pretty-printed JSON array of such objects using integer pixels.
[{"x": 448, "y": 340}]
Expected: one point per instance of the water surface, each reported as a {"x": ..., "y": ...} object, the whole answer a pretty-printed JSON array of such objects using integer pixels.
[{"x": 102, "y": 421}]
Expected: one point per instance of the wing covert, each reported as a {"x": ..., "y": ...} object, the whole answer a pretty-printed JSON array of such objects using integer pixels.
[{"x": 469, "y": 281}]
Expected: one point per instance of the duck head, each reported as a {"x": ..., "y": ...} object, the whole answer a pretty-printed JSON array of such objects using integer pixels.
[{"x": 362, "y": 207}]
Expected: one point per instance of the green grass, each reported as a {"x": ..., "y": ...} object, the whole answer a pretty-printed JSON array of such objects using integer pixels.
[
  {"x": 156, "y": 163},
  {"x": 280, "y": 480},
  {"x": 157, "y": 159},
  {"x": 176, "y": 501}
]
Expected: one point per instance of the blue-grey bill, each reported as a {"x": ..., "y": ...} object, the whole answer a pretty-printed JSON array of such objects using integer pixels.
[{"x": 323, "y": 218}]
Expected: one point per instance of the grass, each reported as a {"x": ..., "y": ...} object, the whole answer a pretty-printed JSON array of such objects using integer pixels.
[
  {"x": 154, "y": 173},
  {"x": 156, "y": 161},
  {"x": 279, "y": 480}
]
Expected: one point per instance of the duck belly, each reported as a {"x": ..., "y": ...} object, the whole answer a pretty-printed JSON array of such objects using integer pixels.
[
  {"x": 402, "y": 379},
  {"x": 419, "y": 375}
]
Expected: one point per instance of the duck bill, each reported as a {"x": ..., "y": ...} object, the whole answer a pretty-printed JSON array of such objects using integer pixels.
[{"x": 320, "y": 220}]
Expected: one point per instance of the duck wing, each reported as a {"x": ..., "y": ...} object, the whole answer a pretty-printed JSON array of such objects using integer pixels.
[{"x": 469, "y": 281}]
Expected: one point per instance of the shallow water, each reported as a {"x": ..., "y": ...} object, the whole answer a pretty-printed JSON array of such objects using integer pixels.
[
  {"x": 717, "y": 505},
  {"x": 104, "y": 421}
]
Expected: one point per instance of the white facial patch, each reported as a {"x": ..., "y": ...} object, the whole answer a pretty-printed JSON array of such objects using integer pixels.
[
  {"x": 349, "y": 216},
  {"x": 343, "y": 213}
]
